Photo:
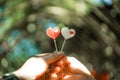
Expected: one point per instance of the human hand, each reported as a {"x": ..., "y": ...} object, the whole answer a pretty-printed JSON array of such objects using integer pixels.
[
  {"x": 36, "y": 66},
  {"x": 73, "y": 69},
  {"x": 67, "y": 68}
]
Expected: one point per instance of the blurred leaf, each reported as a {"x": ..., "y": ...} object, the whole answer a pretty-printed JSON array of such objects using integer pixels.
[{"x": 61, "y": 25}]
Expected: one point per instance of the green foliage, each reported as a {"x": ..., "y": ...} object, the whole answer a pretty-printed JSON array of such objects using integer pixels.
[
  {"x": 96, "y": 43},
  {"x": 61, "y": 25}
]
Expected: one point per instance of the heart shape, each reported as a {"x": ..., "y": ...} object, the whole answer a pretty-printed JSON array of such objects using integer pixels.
[
  {"x": 67, "y": 33},
  {"x": 53, "y": 32}
]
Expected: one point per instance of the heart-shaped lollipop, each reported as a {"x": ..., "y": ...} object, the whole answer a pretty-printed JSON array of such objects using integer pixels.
[
  {"x": 53, "y": 32},
  {"x": 67, "y": 33}
]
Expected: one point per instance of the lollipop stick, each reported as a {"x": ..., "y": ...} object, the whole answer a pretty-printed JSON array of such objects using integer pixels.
[
  {"x": 63, "y": 44},
  {"x": 55, "y": 45}
]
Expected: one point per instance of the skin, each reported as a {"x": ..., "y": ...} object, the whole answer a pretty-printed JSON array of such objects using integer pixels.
[{"x": 36, "y": 67}]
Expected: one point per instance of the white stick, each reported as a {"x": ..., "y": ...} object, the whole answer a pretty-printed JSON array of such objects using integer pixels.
[
  {"x": 63, "y": 44},
  {"x": 55, "y": 45}
]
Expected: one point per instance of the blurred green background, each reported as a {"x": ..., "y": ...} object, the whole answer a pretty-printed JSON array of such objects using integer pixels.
[{"x": 96, "y": 43}]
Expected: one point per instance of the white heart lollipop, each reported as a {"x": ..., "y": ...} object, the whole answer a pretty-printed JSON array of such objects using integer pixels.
[{"x": 67, "y": 33}]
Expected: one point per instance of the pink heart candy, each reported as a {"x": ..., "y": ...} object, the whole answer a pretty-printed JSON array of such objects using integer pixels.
[{"x": 53, "y": 32}]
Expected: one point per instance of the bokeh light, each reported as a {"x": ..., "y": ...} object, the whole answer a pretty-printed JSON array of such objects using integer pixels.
[{"x": 96, "y": 44}]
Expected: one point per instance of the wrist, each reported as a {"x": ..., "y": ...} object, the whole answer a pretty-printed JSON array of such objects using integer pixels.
[
  {"x": 17, "y": 74},
  {"x": 9, "y": 76},
  {"x": 22, "y": 75}
]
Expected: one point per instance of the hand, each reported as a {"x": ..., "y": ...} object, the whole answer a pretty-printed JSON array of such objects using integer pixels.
[
  {"x": 36, "y": 67},
  {"x": 72, "y": 69},
  {"x": 31, "y": 68}
]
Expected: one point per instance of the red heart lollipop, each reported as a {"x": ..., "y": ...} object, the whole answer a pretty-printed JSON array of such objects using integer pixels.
[{"x": 53, "y": 32}]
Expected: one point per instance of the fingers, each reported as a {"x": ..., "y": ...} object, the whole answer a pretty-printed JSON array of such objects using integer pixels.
[
  {"x": 57, "y": 69},
  {"x": 69, "y": 68},
  {"x": 76, "y": 66},
  {"x": 73, "y": 64},
  {"x": 50, "y": 57},
  {"x": 75, "y": 69},
  {"x": 61, "y": 63},
  {"x": 73, "y": 77},
  {"x": 78, "y": 77},
  {"x": 53, "y": 76}
]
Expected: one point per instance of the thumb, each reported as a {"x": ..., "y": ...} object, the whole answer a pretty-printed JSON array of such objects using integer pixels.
[{"x": 76, "y": 67}]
